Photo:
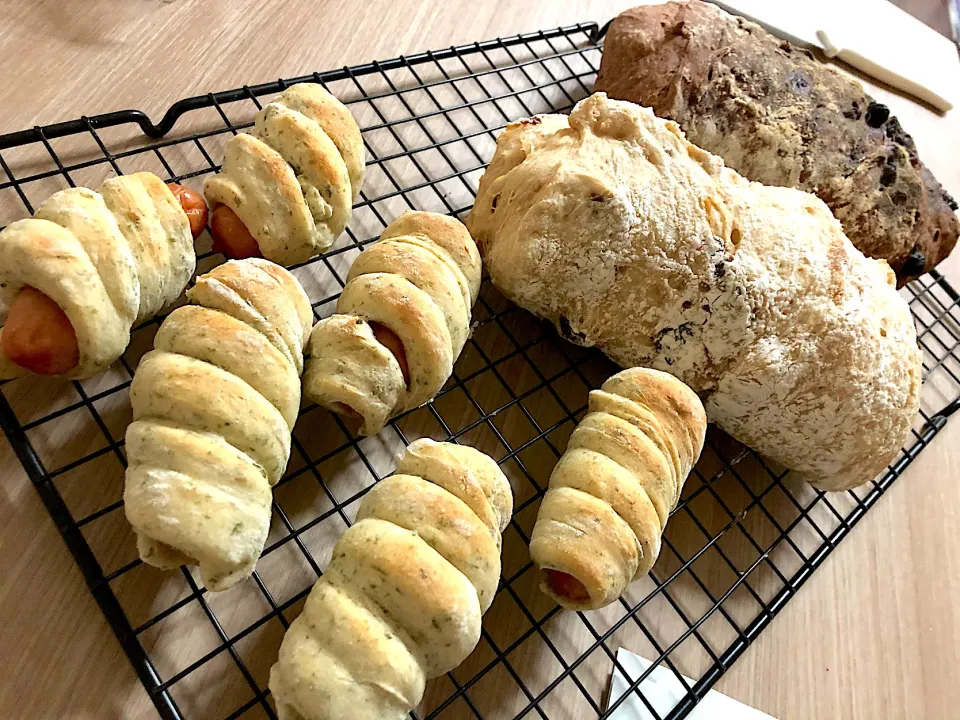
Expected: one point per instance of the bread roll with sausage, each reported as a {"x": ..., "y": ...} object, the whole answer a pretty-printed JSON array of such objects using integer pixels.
[
  {"x": 402, "y": 597},
  {"x": 287, "y": 188},
  {"x": 86, "y": 267},
  {"x": 600, "y": 523},
  {"x": 402, "y": 320},
  {"x": 213, "y": 407}
]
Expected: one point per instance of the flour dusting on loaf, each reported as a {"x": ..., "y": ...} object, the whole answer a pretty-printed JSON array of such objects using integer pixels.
[
  {"x": 779, "y": 116},
  {"x": 629, "y": 238}
]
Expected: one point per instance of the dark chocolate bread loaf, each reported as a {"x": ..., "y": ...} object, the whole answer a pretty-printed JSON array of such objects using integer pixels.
[{"x": 780, "y": 117}]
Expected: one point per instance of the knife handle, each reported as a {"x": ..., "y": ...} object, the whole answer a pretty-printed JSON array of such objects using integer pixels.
[{"x": 884, "y": 74}]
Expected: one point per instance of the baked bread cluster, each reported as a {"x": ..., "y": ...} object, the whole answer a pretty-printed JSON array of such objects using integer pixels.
[
  {"x": 611, "y": 494},
  {"x": 213, "y": 407},
  {"x": 778, "y": 116},
  {"x": 725, "y": 299},
  {"x": 629, "y": 238},
  {"x": 402, "y": 597}
]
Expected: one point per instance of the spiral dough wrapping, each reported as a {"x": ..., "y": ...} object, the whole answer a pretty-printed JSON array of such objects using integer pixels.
[
  {"x": 293, "y": 180},
  {"x": 612, "y": 491},
  {"x": 213, "y": 407},
  {"x": 420, "y": 280},
  {"x": 402, "y": 597},
  {"x": 108, "y": 259}
]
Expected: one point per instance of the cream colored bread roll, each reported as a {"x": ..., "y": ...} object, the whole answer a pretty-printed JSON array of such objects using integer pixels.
[
  {"x": 600, "y": 523},
  {"x": 630, "y": 239},
  {"x": 108, "y": 259},
  {"x": 213, "y": 407},
  {"x": 401, "y": 600},
  {"x": 293, "y": 180},
  {"x": 419, "y": 282}
]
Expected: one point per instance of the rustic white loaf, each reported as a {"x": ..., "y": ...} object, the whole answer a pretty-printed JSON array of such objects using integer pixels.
[{"x": 627, "y": 237}]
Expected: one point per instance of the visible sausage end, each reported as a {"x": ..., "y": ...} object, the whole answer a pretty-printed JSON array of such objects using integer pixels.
[
  {"x": 230, "y": 235},
  {"x": 352, "y": 420},
  {"x": 345, "y": 410},
  {"x": 193, "y": 205},
  {"x": 565, "y": 586},
  {"x": 38, "y": 336},
  {"x": 386, "y": 337}
]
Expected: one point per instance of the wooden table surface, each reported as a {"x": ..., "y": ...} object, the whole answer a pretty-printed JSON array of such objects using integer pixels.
[{"x": 874, "y": 634}]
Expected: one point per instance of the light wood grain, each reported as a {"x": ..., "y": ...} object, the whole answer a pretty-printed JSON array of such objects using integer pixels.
[{"x": 873, "y": 634}]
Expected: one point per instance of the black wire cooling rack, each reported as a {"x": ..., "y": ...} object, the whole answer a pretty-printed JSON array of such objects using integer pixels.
[{"x": 743, "y": 540}]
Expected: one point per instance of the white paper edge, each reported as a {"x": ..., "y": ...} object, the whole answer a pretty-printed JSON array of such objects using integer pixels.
[{"x": 663, "y": 690}]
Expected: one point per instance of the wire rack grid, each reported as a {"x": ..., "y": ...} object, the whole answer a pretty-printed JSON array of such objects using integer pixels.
[{"x": 744, "y": 538}]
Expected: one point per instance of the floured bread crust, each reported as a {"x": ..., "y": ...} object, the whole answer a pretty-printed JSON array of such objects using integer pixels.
[
  {"x": 779, "y": 116},
  {"x": 627, "y": 237}
]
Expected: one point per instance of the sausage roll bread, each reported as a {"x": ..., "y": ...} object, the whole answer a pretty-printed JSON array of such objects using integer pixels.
[
  {"x": 401, "y": 322},
  {"x": 630, "y": 239},
  {"x": 402, "y": 597},
  {"x": 287, "y": 188},
  {"x": 88, "y": 265},
  {"x": 213, "y": 407},
  {"x": 600, "y": 523}
]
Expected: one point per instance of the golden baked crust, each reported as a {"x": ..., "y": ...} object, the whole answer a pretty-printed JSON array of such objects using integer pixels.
[
  {"x": 467, "y": 473},
  {"x": 264, "y": 296},
  {"x": 213, "y": 407},
  {"x": 615, "y": 485},
  {"x": 778, "y": 116},
  {"x": 333, "y": 116},
  {"x": 444, "y": 236},
  {"x": 402, "y": 597},
  {"x": 632, "y": 240},
  {"x": 292, "y": 181}
]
